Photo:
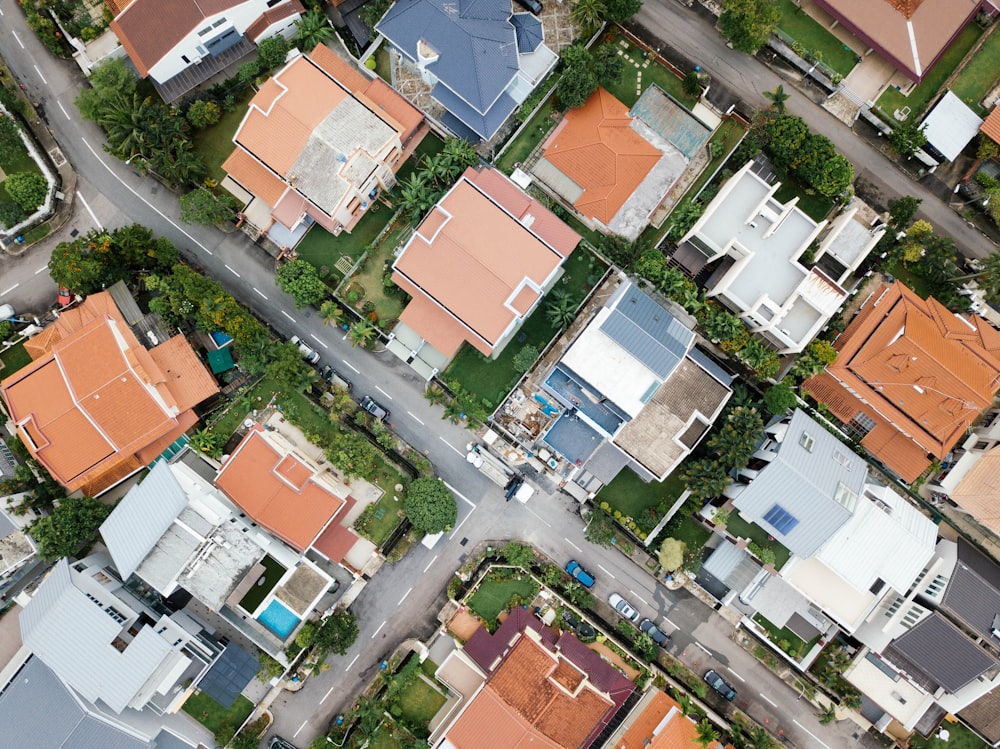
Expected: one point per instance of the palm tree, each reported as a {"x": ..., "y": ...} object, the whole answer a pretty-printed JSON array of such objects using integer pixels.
[
  {"x": 588, "y": 14},
  {"x": 206, "y": 441},
  {"x": 778, "y": 97},
  {"x": 707, "y": 734},
  {"x": 123, "y": 118},
  {"x": 434, "y": 394},
  {"x": 561, "y": 309},
  {"x": 415, "y": 196},
  {"x": 331, "y": 313},
  {"x": 760, "y": 738},
  {"x": 313, "y": 29},
  {"x": 684, "y": 701},
  {"x": 369, "y": 720},
  {"x": 828, "y": 714},
  {"x": 458, "y": 154},
  {"x": 362, "y": 333}
]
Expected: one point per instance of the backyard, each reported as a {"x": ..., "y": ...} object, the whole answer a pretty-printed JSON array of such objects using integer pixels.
[
  {"x": 959, "y": 737},
  {"x": 637, "y": 78},
  {"x": 644, "y": 502},
  {"x": 785, "y": 639},
  {"x": 814, "y": 38},
  {"x": 491, "y": 379},
  {"x": 496, "y": 591},
  {"x": 684, "y": 527},
  {"x": 13, "y": 359},
  {"x": 740, "y": 528},
  {"x": 980, "y": 75},
  {"x": 379, "y": 519},
  {"x": 814, "y": 205},
  {"x": 217, "y": 719},
  {"x": 370, "y": 277},
  {"x": 273, "y": 571},
  {"x": 419, "y": 702},
  {"x": 917, "y": 101},
  {"x": 538, "y": 127},
  {"x": 215, "y": 143}
]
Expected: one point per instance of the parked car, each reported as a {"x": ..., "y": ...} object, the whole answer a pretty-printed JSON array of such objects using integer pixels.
[
  {"x": 533, "y": 5},
  {"x": 513, "y": 486},
  {"x": 334, "y": 377},
  {"x": 583, "y": 577},
  {"x": 308, "y": 352},
  {"x": 372, "y": 406},
  {"x": 657, "y": 635},
  {"x": 623, "y": 607},
  {"x": 720, "y": 685},
  {"x": 277, "y": 742}
]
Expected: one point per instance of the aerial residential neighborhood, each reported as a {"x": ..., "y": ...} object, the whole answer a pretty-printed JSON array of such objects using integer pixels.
[{"x": 476, "y": 374}]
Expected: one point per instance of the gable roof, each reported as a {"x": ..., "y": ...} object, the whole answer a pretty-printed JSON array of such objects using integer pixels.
[
  {"x": 474, "y": 40},
  {"x": 991, "y": 125},
  {"x": 660, "y": 725},
  {"x": 596, "y": 147},
  {"x": 278, "y": 489},
  {"x": 978, "y": 493},
  {"x": 803, "y": 480},
  {"x": 973, "y": 592},
  {"x": 951, "y": 125},
  {"x": 481, "y": 256},
  {"x": 919, "y": 373}
]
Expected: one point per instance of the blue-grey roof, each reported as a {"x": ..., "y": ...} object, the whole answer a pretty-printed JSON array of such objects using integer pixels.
[
  {"x": 941, "y": 653},
  {"x": 648, "y": 332},
  {"x": 671, "y": 121},
  {"x": 484, "y": 124},
  {"x": 528, "y": 28},
  {"x": 39, "y": 711},
  {"x": 474, "y": 38},
  {"x": 6, "y": 525},
  {"x": 229, "y": 675},
  {"x": 973, "y": 592},
  {"x": 804, "y": 484},
  {"x": 142, "y": 517},
  {"x": 166, "y": 740}
]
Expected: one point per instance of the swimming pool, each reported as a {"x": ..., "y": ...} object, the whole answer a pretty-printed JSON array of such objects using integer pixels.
[{"x": 277, "y": 618}]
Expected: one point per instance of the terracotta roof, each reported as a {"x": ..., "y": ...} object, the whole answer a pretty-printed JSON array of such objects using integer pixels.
[
  {"x": 978, "y": 493},
  {"x": 596, "y": 147},
  {"x": 435, "y": 325},
  {"x": 336, "y": 540},
  {"x": 911, "y": 34},
  {"x": 473, "y": 254},
  {"x": 272, "y": 16},
  {"x": 661, "y": 725},
  {"x": 254, "y": 177},
  {"x": 920, "y": 373},
  {"x": 96, "y": 398},
  {"x": 991, "y": 125},
  {"x": 278, "y": 489}
]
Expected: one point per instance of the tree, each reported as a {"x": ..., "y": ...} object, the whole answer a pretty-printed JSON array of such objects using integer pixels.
[
  {"x": 430, "y": 506},
  {"x": 371, "y": 12},
  {"x": 814, "y": 359},
  {"x": 578, "y": 80},
  {"x": 621, "y": 10},
  {"x": 987, "y": 278},
  {"x": 524, "y": 358},
  {"x": 99, "y": 258},
  {"x": 312, "y": 29},
  {"x": 691, "y": 84},
  {"x": 518, "y": 554},
  {"x": 901, "y": 212},
  {"x": 748, "y": 24},
  {"x": 416, "y": 196},
  {"x": 834, "y": 176},
  {"x": 560, "y": 310},
  {"x": 271, "y": 52},
  {"x": 107, "y": 79},
  {"x": 371, "y": 714},
  {"x": 623, "y": 252},
  {"x": 70, "y": 525},
  {"x": 588, "y": 15},
  {"x": 907, "y": 138},
  {"x": 27, "y": 189},
  {"x": 706, "y": 733},
  {"x": 285, "y": 365},
  {"x": 331, "y": 312},
  {"x": 778, "y": 97},
  {"x": 786, "y": 136},
  {"x": 645, "y": 647},
  {"x": 300, "y": 280},
  {"x": 760, "y": 738},
  {"x": 827, "y": 714},
  {"x": 337, "y": 633},
  {"x": 780, "y": 399},
  {"x": 607, "y": 65},
  {"x": 600, "y": 528},
  {"x": 363, "y": 334},
  {"x": 202, "y": 206},
  {"x": 202, "y": 113},
  {"x": 10, "y": 137},
  {"x": 10, "y": 214},
  {"x": 671, "y": 554},
  {"x": 208, "y": 442},
  {"x": 704, "y": 478}
]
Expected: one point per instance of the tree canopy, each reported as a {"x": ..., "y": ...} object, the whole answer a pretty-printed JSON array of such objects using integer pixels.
[
  {"x": 202, "y": 206},
  {"x": 583, "y": 70},
  {"x": 748, "y": 24},
  {"x": 70, "y": 525},
  {"x": 337, "y": 633},
  {"x": 300, "y": 280},
  {"x": 27, "y": 189},
  {"x": 100, "y": 258},
  {"x": 430, "y": 506}
]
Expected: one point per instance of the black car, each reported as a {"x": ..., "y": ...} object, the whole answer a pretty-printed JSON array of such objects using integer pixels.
[
  {"x": 333, "y": 377},
  {"x": 720, "y": 685},
  {"x": 533, "y": 5},
  {"x": 373, "y": 407},
  {"x": 657, "y": 635},
  {"x": 277, "y": 742},
  {"x": 512, "y": 486}
]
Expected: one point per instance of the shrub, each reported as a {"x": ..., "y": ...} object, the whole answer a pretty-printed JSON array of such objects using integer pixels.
[{"x": 27, "y": 189}]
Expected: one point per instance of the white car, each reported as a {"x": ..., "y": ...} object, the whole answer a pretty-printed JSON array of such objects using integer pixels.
[
  {"x": 308, "y": 352},
  {"x": 623, "y": 607}
]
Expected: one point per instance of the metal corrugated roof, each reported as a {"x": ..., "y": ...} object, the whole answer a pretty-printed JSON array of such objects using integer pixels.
[
  {"x": 39, "y": 711},
  {"x": 804, "y": 483},
  {"x": 939, "y": 650},
  {"x": 229, "y": 675},
  {"x": 142, "y": 517},
  {"x": 648, "y": 332}
]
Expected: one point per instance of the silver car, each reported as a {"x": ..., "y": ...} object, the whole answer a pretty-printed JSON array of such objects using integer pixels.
[
  {"x": 623, "y": 607},
  {"x": 308, "y": 352}
]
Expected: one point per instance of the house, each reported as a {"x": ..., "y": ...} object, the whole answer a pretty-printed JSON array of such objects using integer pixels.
[
  {"x": 110, "y": 646},
  {"x": 17, "y": 548},
  {"x": 991, "y": 125},
  {"x": 318, "y": 143},
  {"x": 481, "y": 59},
  {"x": 613, "y": 167},
  {"x": 657, "y": 722},
  {"x": 631, "y": 389},
  {"x": 910, "y": 378},
  {"x": 761, "y": 249},
  {"x": 949, "y": 127},
  {"x": 910, "y": 34},
  {"x": 108, "y": 390},
  {"x": 529, "y": 685},
  {"x": 476, "y": 267},
  {"x": 180, "y": 44}
]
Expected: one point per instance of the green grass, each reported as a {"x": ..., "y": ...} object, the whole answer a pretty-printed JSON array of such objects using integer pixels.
[
  {"x": 13, "y": 162},
  {"x": 493, "y": 596},
  {"x": 429, "y": 667},
  {"x": 217, "y": 719},
  {"x": 742, "y": 529},
  {"x": 13, "y": 359},
  {"x": 980, "y": 75},
  {"x": 215, "y": 143},
  {"x": 960, "y": 738},
  {"x": 383, "y": 65},
  {"x": 538, "y": 127},
  {"x": 920, "y": 286},
  {"x": 491, "y": 379},
  {"x": 815, "y": 206},
  {"x": 625, "y": 88},
  {"x": 644, "y": 502},
  {"x": 322, "y": 249},
  {"x": 811, "y": 34},
  {"x": 918, "y": 99},
  {"x": 256, "y": 595},
  {"x": 387, "y": 306},
  {"x": 685, "y": 528},
  {"x": 420, "y": 702},
  {"x": 379, "y": 528},
  {"x": 39, "y": 232},
  {"x": 795, "y": 645},
  {"x": 431, "y": 145}
]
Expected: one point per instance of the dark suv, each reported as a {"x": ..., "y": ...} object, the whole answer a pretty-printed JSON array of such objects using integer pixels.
[
  {"x": 720, "y": 685},
  {"x": 372, "y": 406},
  {"x": 656, "y": 634}
]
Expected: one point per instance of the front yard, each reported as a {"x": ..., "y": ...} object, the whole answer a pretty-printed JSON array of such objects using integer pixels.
[
  {"x": 815, "y": 39},
  {"x": 322, "y": 249},
  {"x": 644, "y": 502},
  {"x": 217, "y": 719},
  {"x": 498, "y": 589},
  {"x": 980, "y": 75},
  {"x": 641, "y": 71},
  {"x": 215, "y": 143},
  {"x": 13, "y": 359}
]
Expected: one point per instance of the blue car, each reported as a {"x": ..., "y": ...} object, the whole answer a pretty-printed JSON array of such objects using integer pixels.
[{"x": 578, "y": 572}]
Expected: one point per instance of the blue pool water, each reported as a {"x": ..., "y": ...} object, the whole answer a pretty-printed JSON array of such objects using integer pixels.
[{"x": 277, "y": 618}]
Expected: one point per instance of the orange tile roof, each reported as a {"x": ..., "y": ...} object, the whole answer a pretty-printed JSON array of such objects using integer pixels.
[
  {"x": 278, "y": 490},
  {"x": 435, "y": 325},
  {"x": 522, "y": 705},
  {"x": 39, "y": 345},
  {"x": 253, "y": 176},
  {"x": 978, "y": 493},
  {"x": 474, "y": 265},
  {"x": 596, "y": 147},
  {"x": 336, "y": 540},
  {"x": 991, "y": 125},
  {"x": 921, "y": 373},
  {"x": 96, "y": 398},
  {"x": 661, "y": 725},
  {"x": 272, "y": 16}
]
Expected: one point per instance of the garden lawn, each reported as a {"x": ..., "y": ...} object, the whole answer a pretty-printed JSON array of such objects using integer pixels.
[
  {"x": 917, "y": 101},
  {"x": 491, "y": 379},
  {"x": 429, "y": 146},
  {"x": 273, "y": 570},
  {"x": 493, "y": 597},
  {"x": 918, "y": 285},
  {"x": 685, "y": 528},
  {"x": 811, "y": 34},
  {"x": 322, "y": 249},
  {"x": 18, "y": 160},
  {"x": 14, "y": 359},
  {"x": 796, "y": 646},
  {"x": 960, "y": 738},
  {"x": 742, "y": 529},
  {"x": 625, "y": 89},
  {"x": 538, "y": 127},
  {"x": 387, "y": 306},
  {"x": 420, "y": 702},
  {"x": 383, "y": 64},
  {"x": 978, "y": 77},
  {"x": 215, "y": 717},
  {"x": 638, "y": 499},
  {"x": 815, "y": 206},
  {"x": 385, "y": 519},
  {"x": 215, "y": 143}
]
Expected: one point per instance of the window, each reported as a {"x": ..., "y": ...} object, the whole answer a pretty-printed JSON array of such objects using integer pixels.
[
  {"x": 846, "y": 496},
  {"x": 79, "y": 566},
  {"x": 272, "y": 3},
  {"x": 807, "y": 441},
  {"x": 859, "y": 426},
  {"x": 877, "y": 586},
  {"x": 782, "y": 520},
  {"x": 115, "y": 614},
  {"x": 841, "y": 457}
]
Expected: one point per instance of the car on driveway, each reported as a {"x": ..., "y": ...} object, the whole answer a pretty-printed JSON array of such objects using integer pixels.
[
  {"x": 720, "y": 685},
  {"x": 582, "y": 576},
  {"x": 656, "y": 634},
  {"x": 373, "y": 407},
  {"x": 623, "y": 607},
  {"x": 308, "y": 352},
  {"x": 333, "y": 377}
]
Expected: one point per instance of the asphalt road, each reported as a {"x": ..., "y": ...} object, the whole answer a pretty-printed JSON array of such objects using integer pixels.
[{"x": 401, "y": 601}]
